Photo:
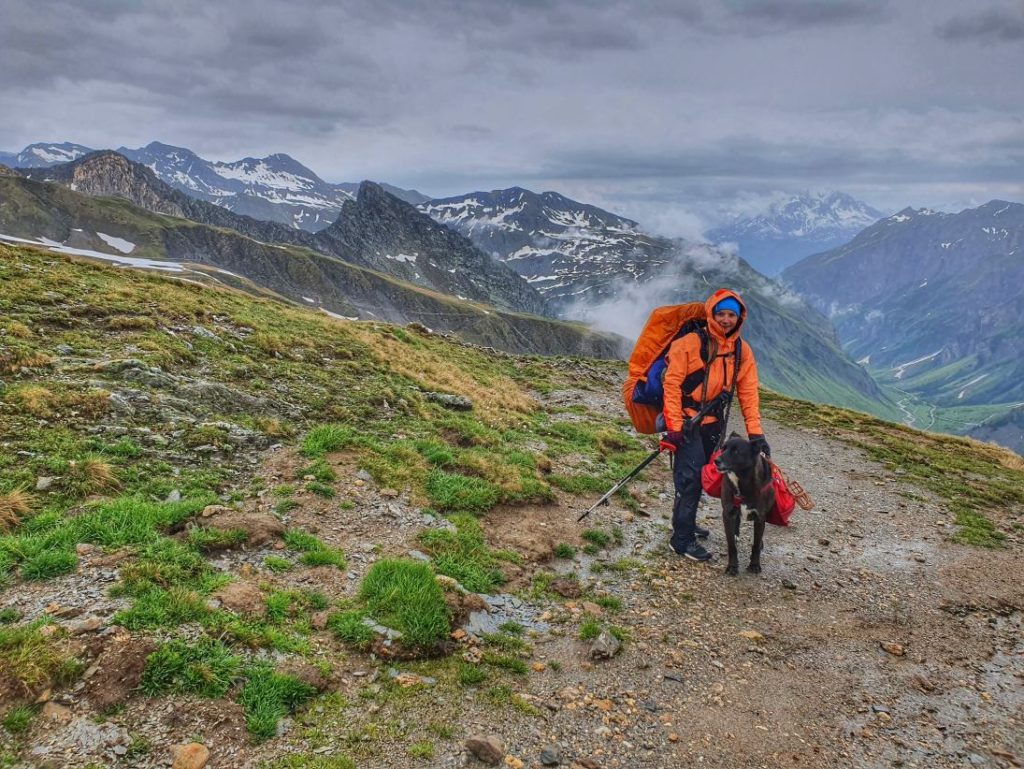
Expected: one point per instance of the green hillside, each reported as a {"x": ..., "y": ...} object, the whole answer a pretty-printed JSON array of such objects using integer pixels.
[{"x": 188, "y": 468}]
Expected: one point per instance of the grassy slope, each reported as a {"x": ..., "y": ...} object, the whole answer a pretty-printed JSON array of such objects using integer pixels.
[
  {"x": 322, "y": 385},
  {"x": 31, "y": 209}
]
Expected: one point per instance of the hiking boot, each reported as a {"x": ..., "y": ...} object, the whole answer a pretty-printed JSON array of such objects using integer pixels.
[
  {"x": 694, "y": 551},
  {"x": 701, "y": 532}
]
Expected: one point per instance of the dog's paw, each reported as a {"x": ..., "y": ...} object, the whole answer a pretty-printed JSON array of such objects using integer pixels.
[
  {"x": 732, "y": 569},
  {"x": 754, "y": 568}
]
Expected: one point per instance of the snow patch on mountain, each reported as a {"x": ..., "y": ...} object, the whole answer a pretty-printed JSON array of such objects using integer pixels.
[{"x": 122, "y": 245}]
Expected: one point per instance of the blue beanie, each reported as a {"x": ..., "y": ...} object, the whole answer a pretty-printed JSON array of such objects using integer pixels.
[{"x": 729, "y": 303}]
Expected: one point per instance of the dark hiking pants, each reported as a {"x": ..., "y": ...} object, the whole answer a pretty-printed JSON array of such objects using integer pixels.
[{"x": 689, "y": 460}]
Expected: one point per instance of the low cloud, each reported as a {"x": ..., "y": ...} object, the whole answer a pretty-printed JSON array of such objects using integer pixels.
[{"x": 989, "y": 26}]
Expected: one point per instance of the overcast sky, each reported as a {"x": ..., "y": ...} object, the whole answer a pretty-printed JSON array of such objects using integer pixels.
[{"x": 670, "y": 112}]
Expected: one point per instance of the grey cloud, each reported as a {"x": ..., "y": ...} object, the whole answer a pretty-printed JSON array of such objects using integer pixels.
[
  {"x": 747, "y": 161},
  {"x": 796, "y": 14},
  {"x": 990, "y": 26}
]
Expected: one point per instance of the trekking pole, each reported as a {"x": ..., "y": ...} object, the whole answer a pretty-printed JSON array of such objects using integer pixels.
[{"x": 608, "y": 494}]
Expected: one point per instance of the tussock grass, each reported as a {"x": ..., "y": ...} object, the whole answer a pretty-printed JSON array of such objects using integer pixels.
[
  {"x": 30, "y": 659},
  {"x": 269, "y": 696},
  {"x": 325, "y": 439},
  {"x": 463, "y": 554},
  {"x": 205, "y": 667},
  {"x": 91, "y": 475},
  {"x": 14, "y": 506},
  {"x": 36, "y": 400},
  {"x": 404, "y": 595},
  {"x": 498, "y": 399},
  {"x": 16, "y": 358},
  {"x": 451, "y": 492}
]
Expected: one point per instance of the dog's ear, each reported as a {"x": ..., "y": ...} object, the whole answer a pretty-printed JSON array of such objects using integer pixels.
[{"x": 734, "y": 434}]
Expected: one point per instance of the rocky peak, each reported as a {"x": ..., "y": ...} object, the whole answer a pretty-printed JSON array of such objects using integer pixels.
[
  {"x": 380, "y": 231},
  {"x": 106, "y": 173}
]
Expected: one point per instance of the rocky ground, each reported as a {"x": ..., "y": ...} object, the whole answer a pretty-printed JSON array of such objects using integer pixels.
[{"x": 869, "y": 640}]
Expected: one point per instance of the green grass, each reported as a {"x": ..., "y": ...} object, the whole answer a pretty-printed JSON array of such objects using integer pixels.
[
  {"x": 320, "y": 489},
  {"x": 589, "y": 629},
  {"x": 463, "y": 554},
  {"x": 471, "y": 675},
  {"x": 296, "y": 761},
  {"x": 507, "y": 662},
  {"x": 325, "y": 557},
  {"x": 320, "y": 471},
  {"x": 314, "y": 552},
  {"x": 564, "y": 550},
  {"x": 9, "y": 615},
  {"x": 512, "y": 628},
  {"x": 454, "y": 493},
  {"x": 216, "y": 539},
  {"x": 423, "y": 749},
  {"x": 277, "y": 564},
  {"x": 609, "y": 602},
  {"x": 46, "y": 564},
  {"x": 503, "y": 696},
  {"x": 205, "y": 667},
  {"x": 405, "y": 596},
  {"x": 505, "y": 641},
  {"x": 18, "y": 719},
  {"x": 597, "y": 537},
  {"x": 269, "y": 696},
  {"x": 349, "y": 627},
  {"x": 325, "y": 439}
]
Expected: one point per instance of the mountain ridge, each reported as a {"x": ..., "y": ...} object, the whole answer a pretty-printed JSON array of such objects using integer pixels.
[
  {"x": 454, "y": 267},
  {"x": 275, "y": 188},
  {"x": 914, "y": 297}
]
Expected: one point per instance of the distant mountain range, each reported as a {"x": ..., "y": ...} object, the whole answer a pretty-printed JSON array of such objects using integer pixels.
[
  {"x": 934, "y": 303},
  {"x": 795, "y": 228},
  {"x": 276, "y": 188},
  {"x": 330, "y": 272},
  {"x": 434, "y": 258}
]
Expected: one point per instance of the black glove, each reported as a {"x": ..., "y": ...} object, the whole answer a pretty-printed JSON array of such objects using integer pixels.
[
  {"x": 759, "y": 443},
  {"x": 671, "y": 441}
]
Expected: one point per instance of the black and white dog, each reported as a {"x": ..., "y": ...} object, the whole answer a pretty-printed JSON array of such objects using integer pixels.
[{"x": 746, "y": 488}]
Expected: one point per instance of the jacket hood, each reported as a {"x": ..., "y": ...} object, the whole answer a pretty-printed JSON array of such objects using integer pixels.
[{"x": 713, "y": 328}]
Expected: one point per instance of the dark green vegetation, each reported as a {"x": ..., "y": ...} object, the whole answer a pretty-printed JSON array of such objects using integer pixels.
[{"x": 981, "y": 484}]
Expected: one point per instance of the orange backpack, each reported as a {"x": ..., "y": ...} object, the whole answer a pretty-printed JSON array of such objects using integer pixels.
[{"x": 665, "y": 325}]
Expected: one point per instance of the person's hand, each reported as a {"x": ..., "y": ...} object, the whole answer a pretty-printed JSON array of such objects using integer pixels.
[
  {"x": 759, "y": 443},
  {"x": 671, "y": 441}
]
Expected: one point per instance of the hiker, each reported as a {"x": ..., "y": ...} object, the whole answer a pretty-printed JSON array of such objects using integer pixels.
[{"x": 688, "y": 386}]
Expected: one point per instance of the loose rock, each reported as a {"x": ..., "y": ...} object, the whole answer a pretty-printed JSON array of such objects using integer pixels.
[{"x": 488, "y": 748}]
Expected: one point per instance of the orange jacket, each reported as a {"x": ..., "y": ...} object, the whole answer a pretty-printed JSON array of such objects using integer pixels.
[{"x": 684, "y": 359}]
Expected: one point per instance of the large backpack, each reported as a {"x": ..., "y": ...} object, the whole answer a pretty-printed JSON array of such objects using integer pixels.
[{"x": 643, "y": 391}]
